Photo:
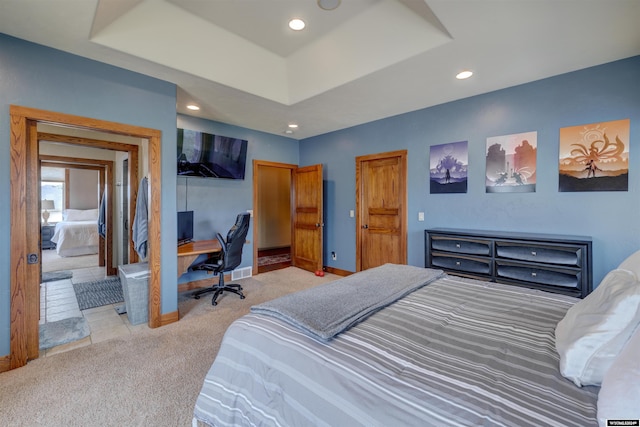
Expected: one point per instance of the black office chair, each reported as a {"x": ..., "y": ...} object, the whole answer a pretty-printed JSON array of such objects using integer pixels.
[{"x": 227, "y": 260}]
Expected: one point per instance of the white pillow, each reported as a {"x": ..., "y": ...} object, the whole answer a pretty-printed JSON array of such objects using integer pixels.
[
  {"x": 81, "y": 214},
  {"x": 595, "y": 329},
  {"x": 619, "y": 396},
  {"x": 632, "y": 263}
]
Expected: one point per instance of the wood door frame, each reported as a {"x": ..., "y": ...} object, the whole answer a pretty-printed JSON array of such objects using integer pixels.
[
  {"x": 403, "y": 224},
  {"x": 24, "y": 276},
  {"x": 256, "y": 211},
  {"x": 105, "y": 169}
]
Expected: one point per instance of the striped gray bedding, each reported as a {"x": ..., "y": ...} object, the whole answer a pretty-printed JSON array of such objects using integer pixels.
[{"x": 455, "y": 352}]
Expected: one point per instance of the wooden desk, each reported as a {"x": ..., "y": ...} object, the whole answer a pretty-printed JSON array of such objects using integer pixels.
[{"x": 188, "y": 253}]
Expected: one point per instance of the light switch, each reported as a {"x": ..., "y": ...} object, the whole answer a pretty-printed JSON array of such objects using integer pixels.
[
  {"x": 352, "y": 213},
  {"x": 420, "y": 216}
]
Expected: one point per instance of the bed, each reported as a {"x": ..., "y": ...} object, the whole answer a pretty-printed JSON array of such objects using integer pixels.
[
  {"x": 77, "y": 234},
  {"x": 443, "y": 351}
]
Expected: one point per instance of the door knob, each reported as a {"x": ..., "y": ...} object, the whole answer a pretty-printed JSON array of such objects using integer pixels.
[{"x": 365, "y": 226}]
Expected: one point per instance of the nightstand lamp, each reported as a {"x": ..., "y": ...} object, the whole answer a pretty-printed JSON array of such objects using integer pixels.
[{"x": 46, "y": 204}]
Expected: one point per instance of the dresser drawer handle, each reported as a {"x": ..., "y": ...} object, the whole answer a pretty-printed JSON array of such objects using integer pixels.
[
  {"x": 457, "y": 262},
  {"x": 458, "y": 245},
  {"x": 534, "y": 274},
  {"x": 533, "y": 253}
]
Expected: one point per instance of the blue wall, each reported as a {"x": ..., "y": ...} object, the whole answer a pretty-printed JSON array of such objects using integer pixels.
[
  {"x": 38, "y": 77},
  {"x": 216, "y": 202},
  {"x": 597, "y": 94}
]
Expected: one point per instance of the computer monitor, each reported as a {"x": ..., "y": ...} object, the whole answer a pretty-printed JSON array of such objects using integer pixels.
[{"x": 185, "y": 227}]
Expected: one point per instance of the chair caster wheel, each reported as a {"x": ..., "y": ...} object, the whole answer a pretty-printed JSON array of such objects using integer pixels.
[
  {"x": 241, "y": 296},
  {"x": 196, "y": 297},
  {"x": 214, "y": 303}
]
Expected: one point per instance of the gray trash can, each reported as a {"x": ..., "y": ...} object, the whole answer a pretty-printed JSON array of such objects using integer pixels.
[{"x": 135, "y": 287}]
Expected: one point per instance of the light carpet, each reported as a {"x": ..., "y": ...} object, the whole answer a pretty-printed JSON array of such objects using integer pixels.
[{"x": 149, "y": 378}]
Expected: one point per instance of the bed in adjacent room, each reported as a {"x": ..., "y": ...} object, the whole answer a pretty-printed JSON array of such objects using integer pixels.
[
  {"x": 403, "y": 345},
  {"x": 77, "y": 234}
]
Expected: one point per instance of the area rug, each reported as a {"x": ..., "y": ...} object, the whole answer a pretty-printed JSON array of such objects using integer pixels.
[
  {"x": 273, "y": 259},
  {"x": 63, "y": 331},
  {"x": 99, "y": 293},
  {"x": 56, "y": 275}
]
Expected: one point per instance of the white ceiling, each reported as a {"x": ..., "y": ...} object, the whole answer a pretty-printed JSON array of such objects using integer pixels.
[{"x": 363, "y": 61}]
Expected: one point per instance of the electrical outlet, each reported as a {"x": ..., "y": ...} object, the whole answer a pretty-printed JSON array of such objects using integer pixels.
[{"x": 334, "y": 256}]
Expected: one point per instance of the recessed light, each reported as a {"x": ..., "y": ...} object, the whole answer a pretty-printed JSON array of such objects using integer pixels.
[
  {"x": 288, "y": 131},
  {"x": 464, "y": 75},
  {"x": 293, "y": 126},
  {"x": 193, "y": 107},
  {"x": 296, "y": 24}
]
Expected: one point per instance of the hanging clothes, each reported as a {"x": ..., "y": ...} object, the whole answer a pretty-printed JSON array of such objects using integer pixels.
[{"x": 140, "y": 230}]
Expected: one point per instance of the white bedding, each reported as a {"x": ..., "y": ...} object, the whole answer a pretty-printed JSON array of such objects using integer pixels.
[{"x": 75, "y": 238}]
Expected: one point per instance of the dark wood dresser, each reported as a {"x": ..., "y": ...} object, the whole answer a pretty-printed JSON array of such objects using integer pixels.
[{"x": 556, "y": 263}]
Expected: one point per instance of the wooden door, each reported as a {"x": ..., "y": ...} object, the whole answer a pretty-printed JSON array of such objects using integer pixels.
[
  {"x": 381, "y": 203},
  {"x": 307, "y": 235}
]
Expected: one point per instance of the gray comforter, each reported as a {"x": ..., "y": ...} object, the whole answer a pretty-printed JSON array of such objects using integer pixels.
[{"x": 455, "y": 352}]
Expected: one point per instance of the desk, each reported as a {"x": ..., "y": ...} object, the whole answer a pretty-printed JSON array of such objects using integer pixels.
[{"x": 188, "y": 253}]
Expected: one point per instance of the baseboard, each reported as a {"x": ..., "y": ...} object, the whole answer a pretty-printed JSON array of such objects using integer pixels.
[
  {"x": 5, "y": 363},
  {"x": 168, "y": 318},
  {"x": 337, "y": 271}
]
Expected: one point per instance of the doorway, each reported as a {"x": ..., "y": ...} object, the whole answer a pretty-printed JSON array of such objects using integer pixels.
[
  {"x": 274, "y": 205},
  {"x": 78, "y": 173},
  {"x": 25, "y": 220},
  {"x": 381, "y": 206},
  {"x": 305, "y": 213}
]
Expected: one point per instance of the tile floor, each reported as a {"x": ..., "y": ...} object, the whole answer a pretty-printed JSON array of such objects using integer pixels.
[{"x": 58, "y": 301}]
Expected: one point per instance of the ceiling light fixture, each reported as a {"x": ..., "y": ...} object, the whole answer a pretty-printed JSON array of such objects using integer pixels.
[
  {"x": 288, "y": 131},
  {"x": 464, "y": 75},
  {"x": 296, "y": 24},
  {"x": 328, "y": 4},
  {"x": 293, "y": 126},
  {"x": 193, "y": 107}
]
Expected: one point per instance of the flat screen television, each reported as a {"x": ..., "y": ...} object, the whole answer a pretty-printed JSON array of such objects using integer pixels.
[
  {"x": 185, "y": 227},
  {"x": 211, "y": 156}
]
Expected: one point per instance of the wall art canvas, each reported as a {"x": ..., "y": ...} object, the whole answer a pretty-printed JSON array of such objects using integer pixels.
[
  {"x": 448, "y": 165},
  {"x": 595, "y": 157},
  {"x": 511, "y": 163}
]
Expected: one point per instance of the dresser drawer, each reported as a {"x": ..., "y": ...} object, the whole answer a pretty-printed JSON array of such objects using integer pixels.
[
  {"x": 556, "y": 277},
  {"x": 462, "y": 264},
  {"x": 461, "y": 246},
  {"x": 568, "y": 255}
]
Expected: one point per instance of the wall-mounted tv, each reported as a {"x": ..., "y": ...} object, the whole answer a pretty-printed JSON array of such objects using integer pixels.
[{"x": 211, "y": 156}]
